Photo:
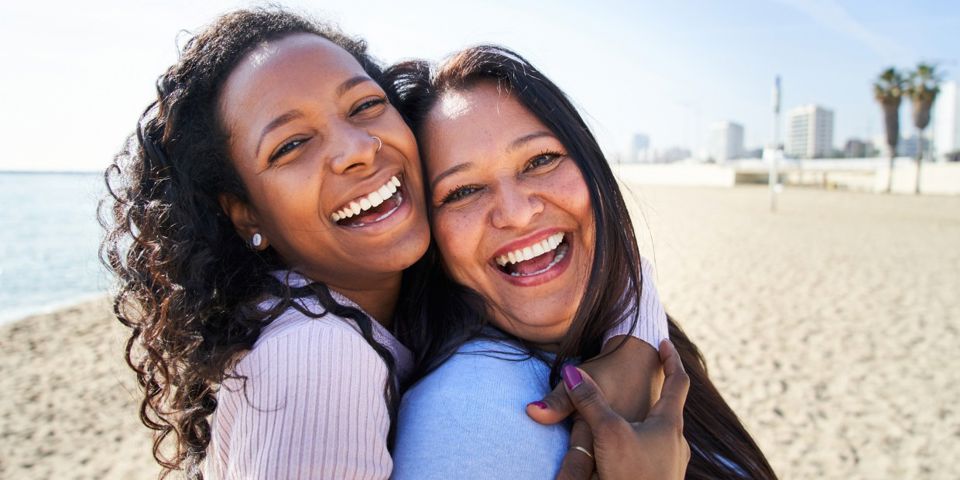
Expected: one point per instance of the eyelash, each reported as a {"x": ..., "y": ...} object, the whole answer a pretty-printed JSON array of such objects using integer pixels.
[
  {"x": 551, "y": 156},
  {"x": 463, "y": 191},
  {"x": 287, "y": 148},
  {"x": 459, "y": 193},
  {"x": 294, "y": 144},
  {"x": 369, "y": 104}
]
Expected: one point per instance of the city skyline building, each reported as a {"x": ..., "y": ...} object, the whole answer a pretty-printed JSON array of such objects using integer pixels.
[
  {"x": 855, "y": 148},
  {"x": 639, "y": 150},
  {"x": 809, "y": 132},
  {"x": 725, "y": 141},
  {"x": 946, "y": 121}
]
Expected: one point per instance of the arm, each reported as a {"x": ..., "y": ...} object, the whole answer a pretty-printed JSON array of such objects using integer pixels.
[
  {"x": 651, "y": 319},
  {"x": 627, "y": 371},
  {"x": 313, "y": 407},
  {"x": 628, "y": 368},
  {"x": 465, "y": 421},
  {"x": 652, "y": 449}
]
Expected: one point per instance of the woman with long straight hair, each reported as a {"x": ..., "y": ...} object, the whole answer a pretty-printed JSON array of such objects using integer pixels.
[
  {"x": 509, "y": 164},
  {"x": 261, "y": 222}
]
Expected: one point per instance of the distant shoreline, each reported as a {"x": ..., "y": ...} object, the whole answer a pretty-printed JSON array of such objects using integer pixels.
[
  {"x": 15, "y": 315},
  {"x": 50, "y": 172}
]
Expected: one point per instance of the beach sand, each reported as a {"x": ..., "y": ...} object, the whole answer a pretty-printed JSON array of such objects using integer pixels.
[{"x": 831, "y": 327}]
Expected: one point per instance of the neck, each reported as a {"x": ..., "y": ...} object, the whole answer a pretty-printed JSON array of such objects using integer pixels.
[{"x": 380, "y": 302}]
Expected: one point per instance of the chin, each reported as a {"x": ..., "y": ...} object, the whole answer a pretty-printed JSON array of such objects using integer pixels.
[{"x": 543, "y": 331}]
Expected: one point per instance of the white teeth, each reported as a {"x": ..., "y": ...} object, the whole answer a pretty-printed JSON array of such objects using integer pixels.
[
  {"x": 368, "y": 201},
  {"x": 546, "y": 245}
]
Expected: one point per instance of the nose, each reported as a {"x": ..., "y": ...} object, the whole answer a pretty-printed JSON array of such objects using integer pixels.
[
  {"x": 515, "y": 206},
  {"x": 352, "y": 149}
]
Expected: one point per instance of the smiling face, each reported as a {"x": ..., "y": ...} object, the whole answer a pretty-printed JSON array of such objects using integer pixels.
[
  {"x": 337, "y": 204},
  {"x": 512, "y": 216}
]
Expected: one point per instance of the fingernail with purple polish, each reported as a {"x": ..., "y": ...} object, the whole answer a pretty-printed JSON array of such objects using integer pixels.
[
  {"x": 571, "y": 376},
  {"x": 539, "y": 404}
]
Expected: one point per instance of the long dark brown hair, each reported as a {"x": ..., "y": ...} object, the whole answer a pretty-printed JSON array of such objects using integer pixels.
[
  {"x": 444, "y": 315},
  {"x": 188, "y": 285}
]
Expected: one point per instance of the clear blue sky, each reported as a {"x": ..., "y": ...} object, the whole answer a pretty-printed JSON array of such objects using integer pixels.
[{"x": 77, "y": 74}]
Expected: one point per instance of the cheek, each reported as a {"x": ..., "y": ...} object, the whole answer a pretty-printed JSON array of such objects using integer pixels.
[
  {"x": 288, "y": 199},
  {"x": 458, "y": 239},
  {"x": 569, "y": 191}
]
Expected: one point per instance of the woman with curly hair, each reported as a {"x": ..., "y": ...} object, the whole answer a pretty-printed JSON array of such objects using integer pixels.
[{"x": 264, "y": 220}]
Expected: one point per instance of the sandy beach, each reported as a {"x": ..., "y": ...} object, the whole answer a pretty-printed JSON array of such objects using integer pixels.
[{"x": 830, "y": 326}]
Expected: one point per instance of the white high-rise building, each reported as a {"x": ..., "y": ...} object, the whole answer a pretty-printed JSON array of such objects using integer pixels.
[
  {"x": 946, "y": 120},
  {"x": 639, "y": 149},
  {"x": 809, "y": 132},
  {"x": 725, "y": 141}
]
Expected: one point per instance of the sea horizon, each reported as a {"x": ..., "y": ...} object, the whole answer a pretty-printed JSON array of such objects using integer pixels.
[{"x": 49, "y": 240}]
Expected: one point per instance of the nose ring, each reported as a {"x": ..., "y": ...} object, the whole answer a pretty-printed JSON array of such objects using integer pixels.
[{"x": 379, "y": 142}]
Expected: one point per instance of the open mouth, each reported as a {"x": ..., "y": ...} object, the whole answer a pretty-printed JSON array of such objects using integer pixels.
[
  {"x": 535, "y": 259},
  {"x": 371, "y": 208}
]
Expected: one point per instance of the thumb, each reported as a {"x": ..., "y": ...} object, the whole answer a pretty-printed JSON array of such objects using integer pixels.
[
  {"x": 588, "y": 399},
  {"x": 553, "y": 408},
  {"x": 676, "y": 385}
]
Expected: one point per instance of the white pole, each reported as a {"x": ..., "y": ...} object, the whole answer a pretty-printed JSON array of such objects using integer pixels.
[{"x": 774, "y": 174}]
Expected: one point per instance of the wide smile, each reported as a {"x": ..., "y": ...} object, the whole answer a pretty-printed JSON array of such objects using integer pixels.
[
  {"x": 371, "y": 208},
  {"x": 537, "y": 262}
]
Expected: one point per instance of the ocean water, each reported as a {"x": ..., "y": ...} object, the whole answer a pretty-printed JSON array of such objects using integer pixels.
[{"x": 49, "y": 237}]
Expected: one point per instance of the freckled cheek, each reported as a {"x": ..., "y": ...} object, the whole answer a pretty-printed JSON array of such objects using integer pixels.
[
  {"x": 571, "y": 194},
  {"x": 458, "y": 237}
]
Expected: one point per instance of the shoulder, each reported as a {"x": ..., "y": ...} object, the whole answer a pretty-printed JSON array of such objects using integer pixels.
[
  {"x": 475, "y": 402},
  {"x": 308, "y": 384},
  {"x": 498, "y": 370},
  {"x": 294, "y": 337}
]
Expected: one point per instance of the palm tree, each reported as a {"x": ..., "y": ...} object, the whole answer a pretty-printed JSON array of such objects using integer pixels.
[
  {"x": 922, "y": 88},
  {"x": 888, "y": 89}
]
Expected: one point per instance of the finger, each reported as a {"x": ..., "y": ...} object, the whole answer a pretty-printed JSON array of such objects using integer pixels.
[
  {"x": 554, "y": 408},
  {"x": 577, "y": 465},
  {"x": 676, "y": 383},
  {"x": 588, "y": 399}
]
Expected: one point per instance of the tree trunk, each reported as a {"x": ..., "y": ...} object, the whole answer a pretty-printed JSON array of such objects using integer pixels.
[
  {"x": 890, "y": 173},
  {"x": 919, "y": 159},
  {"x": 921, "y": 118},
  {"x": 891, "y": 124}
]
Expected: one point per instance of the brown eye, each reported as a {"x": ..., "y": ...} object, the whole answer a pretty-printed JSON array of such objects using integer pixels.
[
  {"x": 369, "y": 105},
  {"x": 542, "y": 160},
  {"x": 460, "y": 193},
  {"x": 286, "y": 148}
]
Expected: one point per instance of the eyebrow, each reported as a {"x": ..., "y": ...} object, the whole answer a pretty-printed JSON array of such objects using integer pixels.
[
  {"x": 295, "y": 114},
  {"x": 450, "y": 171},
  {"x": 287, "y": 117},
  {"x": 514, "y": 145},
  {"x": 352, "y": 82}
]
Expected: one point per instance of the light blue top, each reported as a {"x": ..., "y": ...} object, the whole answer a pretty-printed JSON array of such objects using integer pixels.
[{"x": 467, "y": 419}]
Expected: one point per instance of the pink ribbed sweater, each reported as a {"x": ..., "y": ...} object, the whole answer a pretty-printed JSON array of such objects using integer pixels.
[{"x": 314, "y": 407}]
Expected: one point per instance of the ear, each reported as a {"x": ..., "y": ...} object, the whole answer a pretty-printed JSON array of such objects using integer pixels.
[{"x": 244, "y": 219}]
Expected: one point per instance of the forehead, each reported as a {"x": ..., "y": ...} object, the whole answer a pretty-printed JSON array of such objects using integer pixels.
[
  {"x": 297, "y": 66},
  {"x": 475, "y": 122}
]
